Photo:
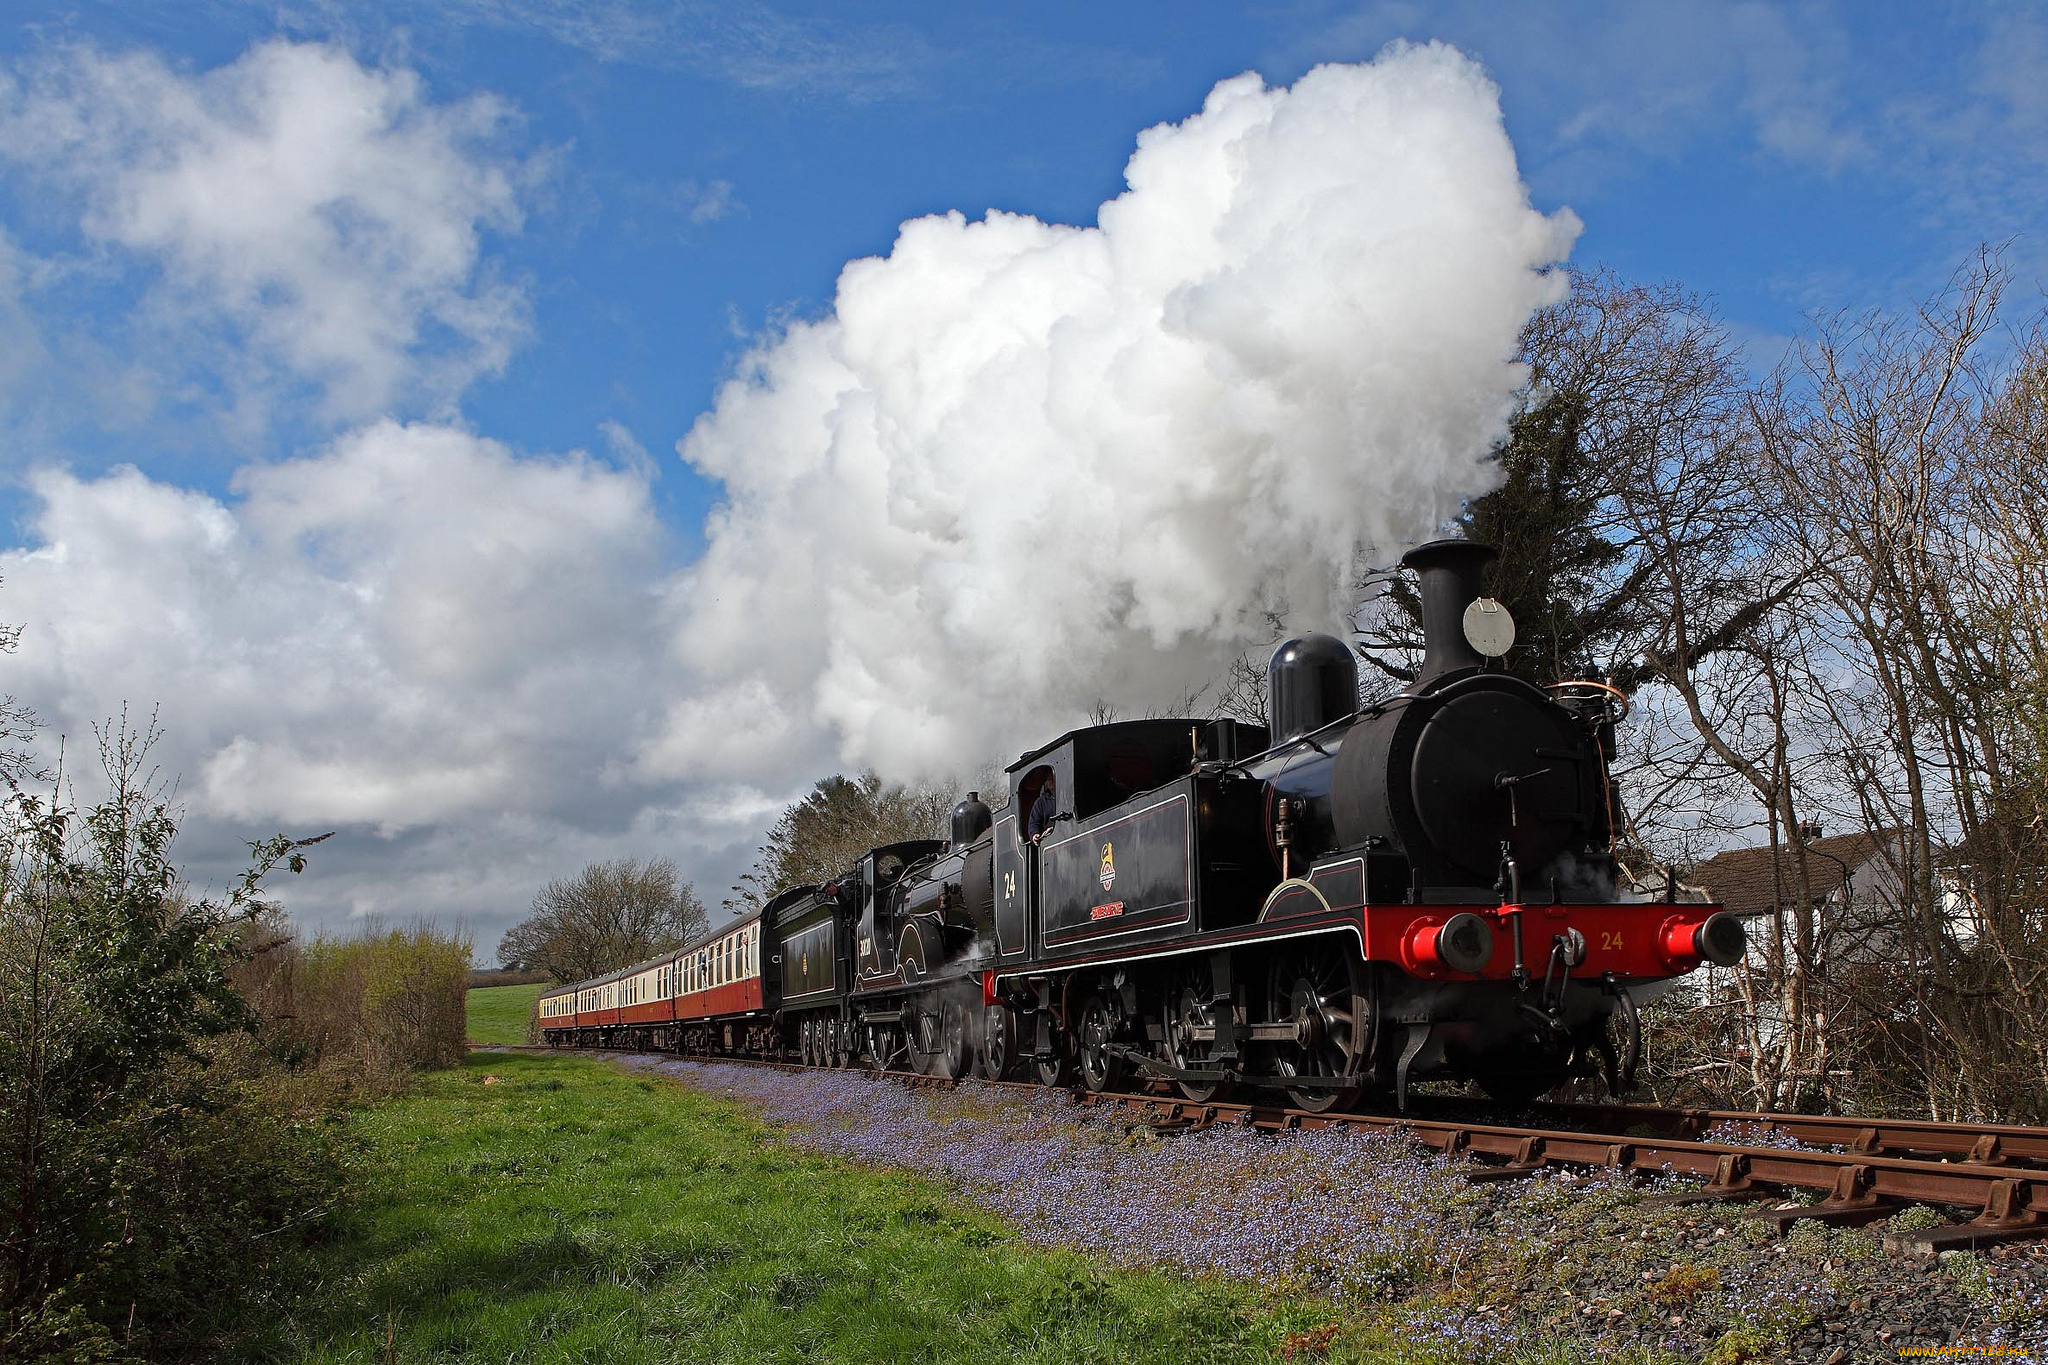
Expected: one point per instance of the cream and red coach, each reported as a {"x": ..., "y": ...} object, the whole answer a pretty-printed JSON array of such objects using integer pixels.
[{"x": 707, "y": 996}]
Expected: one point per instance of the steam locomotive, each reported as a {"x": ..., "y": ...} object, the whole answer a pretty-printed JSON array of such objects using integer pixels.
[{"x": 1349, "y": 902}]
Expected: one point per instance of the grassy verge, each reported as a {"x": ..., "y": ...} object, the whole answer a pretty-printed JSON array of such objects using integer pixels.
[
  {"x": 536, "y": 1208},
  {"x": 498, "y": 1014}
]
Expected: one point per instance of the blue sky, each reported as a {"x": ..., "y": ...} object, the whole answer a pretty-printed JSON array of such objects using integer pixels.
[{"x": 567, "y": 224}]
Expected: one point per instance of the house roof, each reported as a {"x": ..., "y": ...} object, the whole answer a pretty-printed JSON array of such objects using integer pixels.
[{"x": 1745, "y": 881}]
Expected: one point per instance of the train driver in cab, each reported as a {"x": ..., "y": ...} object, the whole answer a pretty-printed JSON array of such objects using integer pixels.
[{"x": 1039, "y": 819}]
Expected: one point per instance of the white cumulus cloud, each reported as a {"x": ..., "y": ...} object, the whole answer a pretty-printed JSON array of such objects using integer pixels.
[
  {"x": 411, "y": 627},
  {"x": 320, "y": 222},
  {"x": 1022, "y": 466}
]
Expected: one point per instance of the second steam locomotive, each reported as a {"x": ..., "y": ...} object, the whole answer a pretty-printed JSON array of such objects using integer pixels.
[{"x": 1346, "y": 903}]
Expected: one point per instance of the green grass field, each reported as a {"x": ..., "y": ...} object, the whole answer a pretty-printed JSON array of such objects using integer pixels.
[
  {"x": 498, "y": 1014},
  {"x": 535, "y": 1208}
]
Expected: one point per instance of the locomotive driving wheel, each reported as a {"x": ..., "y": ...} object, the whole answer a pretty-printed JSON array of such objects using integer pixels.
[
  {"x": 1057, "y": 1070},
  {"x": 939, "y": 1039},
  {"x": 1321, "y": 990},
  {"x": 998, "y": 1042},
  {"x": 1102, "y": 1066},
  {"x": 1191, "y": 1007},
  {"x": 806, "y": 1044},
  {"x": 956, "y": 1040}
]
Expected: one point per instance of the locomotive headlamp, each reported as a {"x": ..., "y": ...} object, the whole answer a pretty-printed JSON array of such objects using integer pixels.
[{"x": 1721, "y": 940}]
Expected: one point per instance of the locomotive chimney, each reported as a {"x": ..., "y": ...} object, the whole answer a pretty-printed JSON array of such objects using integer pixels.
[{"x": 1450, "y": 573}]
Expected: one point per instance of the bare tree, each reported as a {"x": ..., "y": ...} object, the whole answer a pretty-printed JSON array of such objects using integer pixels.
[
  {"x": 17, "y": 725},
  {"x": 1906, "y": 470},
  {"x": 1241, "y": 695},
  {"x": 609, "y": 915}
]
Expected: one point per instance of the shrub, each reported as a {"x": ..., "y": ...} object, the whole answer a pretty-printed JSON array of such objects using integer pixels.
[
  {"x": 375, "y": 1007},
  {"x": 143, "y": 1180}
]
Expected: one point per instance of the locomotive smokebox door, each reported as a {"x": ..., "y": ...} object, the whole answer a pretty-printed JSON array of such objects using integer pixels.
[{"x": 1496, "y": 767}]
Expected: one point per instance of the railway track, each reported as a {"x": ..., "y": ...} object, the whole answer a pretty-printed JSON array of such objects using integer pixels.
[
  {"x": 1990, "y": 1144},
  {"x": 1864, "y": 1169}
]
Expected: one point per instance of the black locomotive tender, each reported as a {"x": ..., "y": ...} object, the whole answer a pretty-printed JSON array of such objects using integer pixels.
[{"x": 1354, "y": 901}]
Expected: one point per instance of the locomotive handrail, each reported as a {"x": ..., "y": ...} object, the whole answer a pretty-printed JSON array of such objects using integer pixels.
[
  {"x": 1595, "y": 685},
  {"x": 1307, "y": 737}
]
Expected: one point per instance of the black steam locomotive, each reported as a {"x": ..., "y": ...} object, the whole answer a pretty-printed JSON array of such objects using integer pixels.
[{"x": 1357, "y": 899}]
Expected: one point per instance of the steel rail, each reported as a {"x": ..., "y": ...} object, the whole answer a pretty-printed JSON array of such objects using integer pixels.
[{"x": 1986, "y": 1144}]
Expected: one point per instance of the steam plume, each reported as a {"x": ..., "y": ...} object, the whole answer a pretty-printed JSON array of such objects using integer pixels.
[{"x": 1022, "y": 466}]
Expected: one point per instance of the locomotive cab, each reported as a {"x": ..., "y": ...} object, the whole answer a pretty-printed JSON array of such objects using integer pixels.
[
  {"x": 1155, "y": 830},
  {"x": 880, "y": 926}
]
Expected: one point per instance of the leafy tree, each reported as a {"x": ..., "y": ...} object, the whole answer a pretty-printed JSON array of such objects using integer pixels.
[
  {"x": 120, "y": 1166},
  {"x": 842, "y": 818},
  {"x": 1634, "y": 391},
  {"x": 1554, "y": 561},
  {"x": 609, "y": 915}
]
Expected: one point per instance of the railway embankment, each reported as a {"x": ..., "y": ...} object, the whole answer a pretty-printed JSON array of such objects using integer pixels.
[{"x": 1418, "y": 1256}]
